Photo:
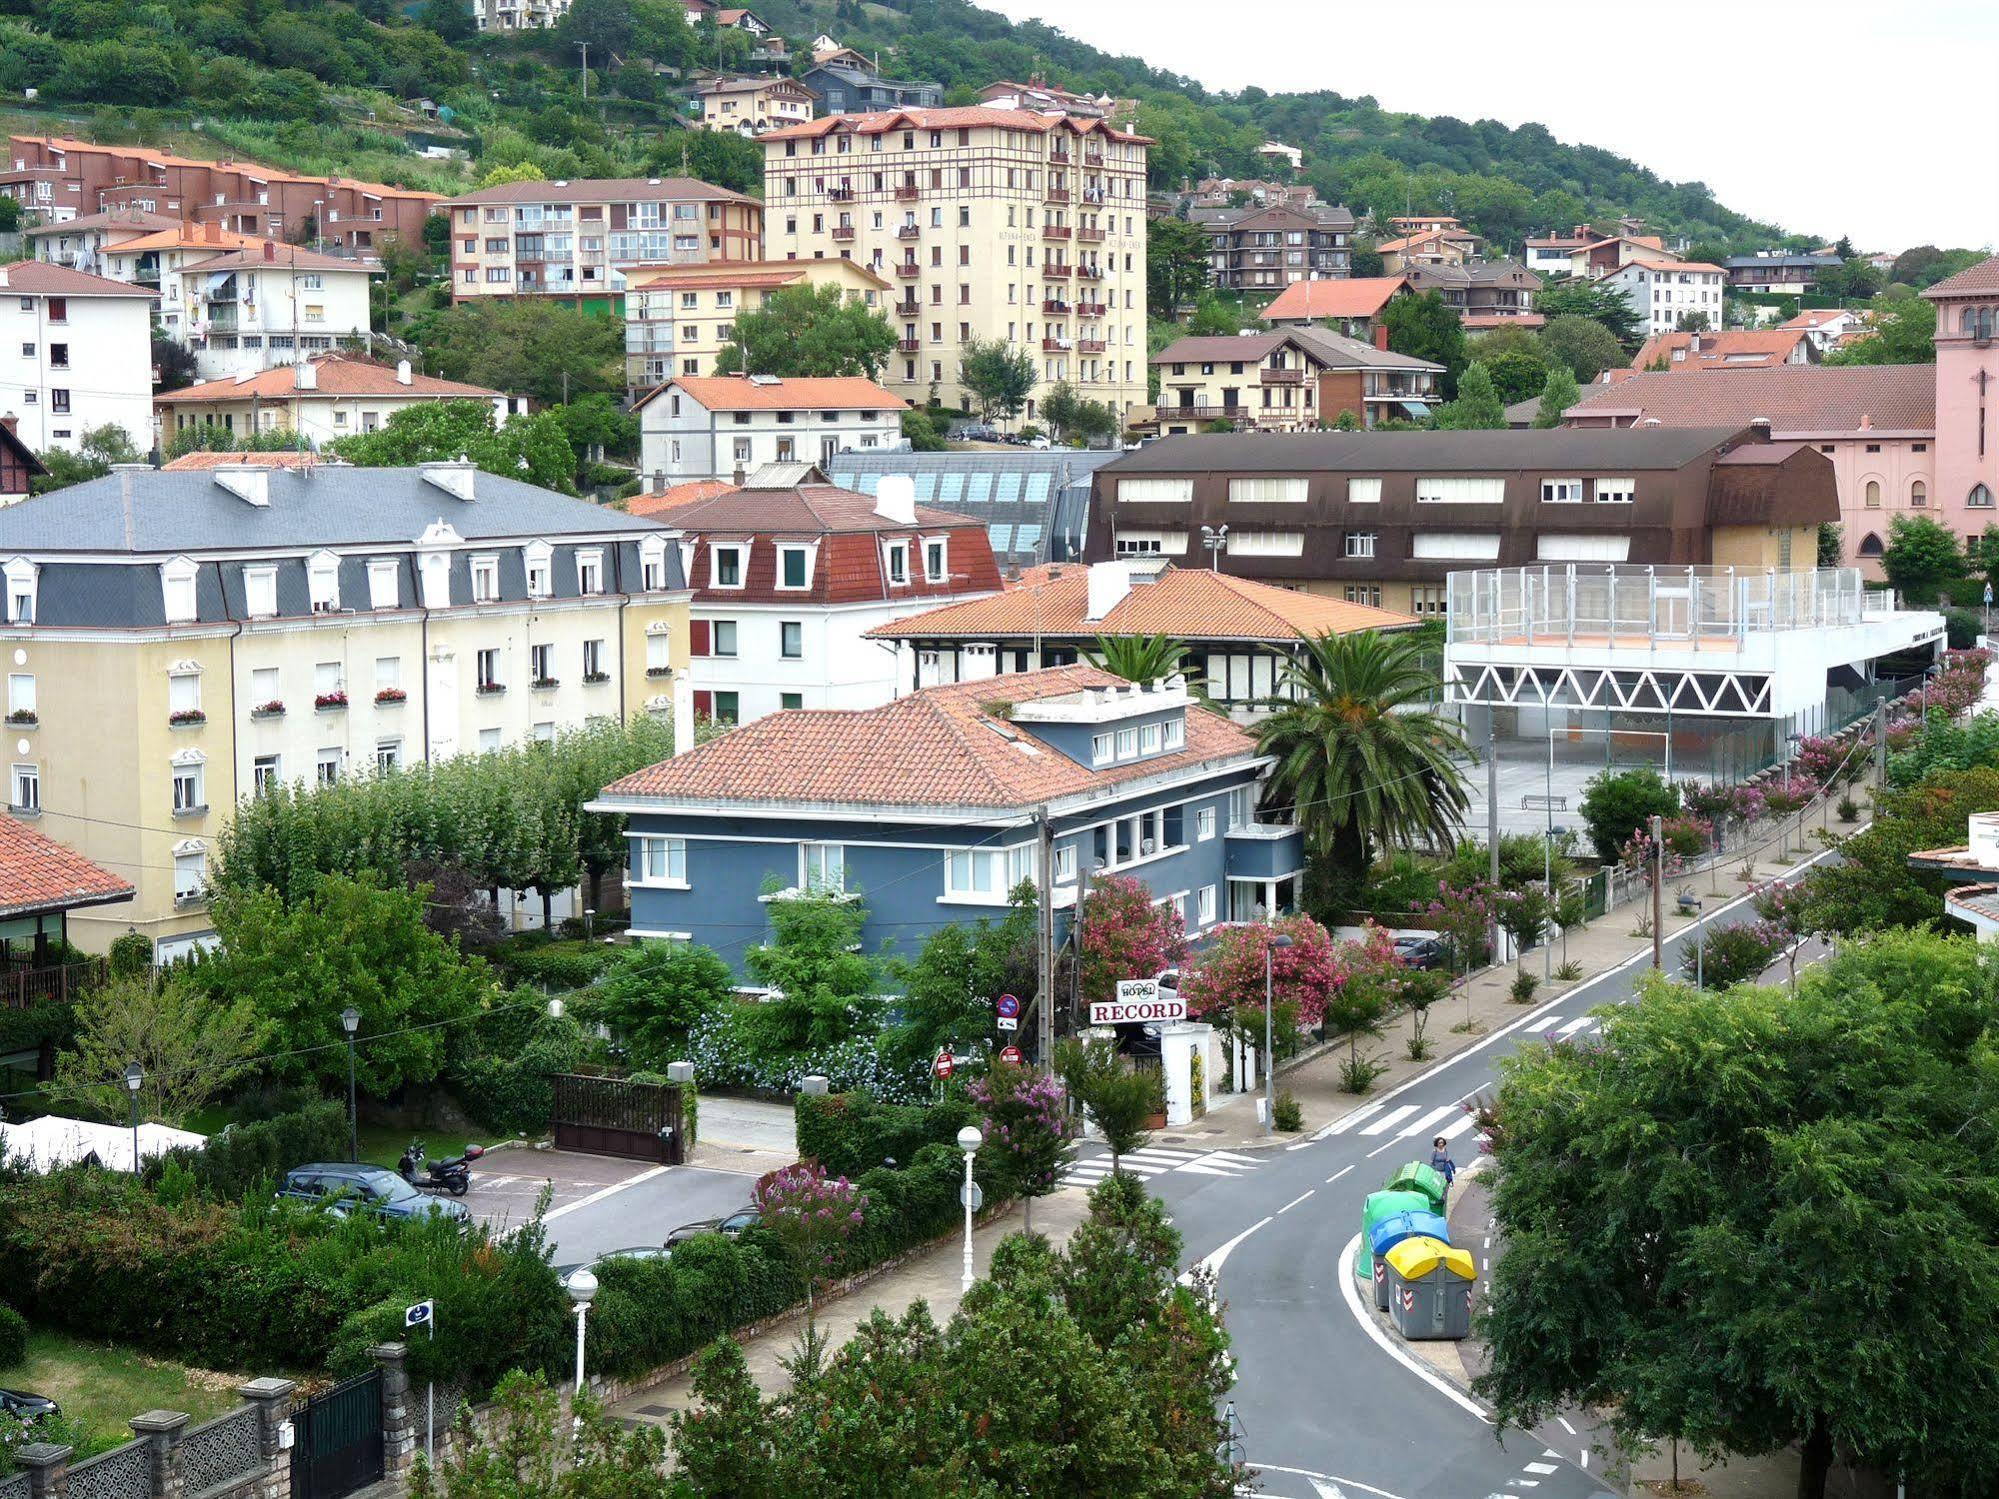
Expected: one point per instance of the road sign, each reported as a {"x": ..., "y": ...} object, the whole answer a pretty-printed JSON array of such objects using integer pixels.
[
  {"x": 418, "y": 1315},
  {"x": 1010, "y": 1054},
  {"x": 1006, "y": 1022},
  {"x": 944, "y": 1064},
  {"x": 1008, "y": 1008},
  {"x": 1138, "y": 1000},
  {"x": 975, "y": 1192}
]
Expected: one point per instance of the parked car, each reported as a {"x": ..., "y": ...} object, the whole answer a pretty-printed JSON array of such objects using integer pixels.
[
  {"x": 342, "y": 1186},
  {"x": 1423, "y": 950},
  {"x": 977, "y": 432},
  {"x": 732, "y": 1225}
]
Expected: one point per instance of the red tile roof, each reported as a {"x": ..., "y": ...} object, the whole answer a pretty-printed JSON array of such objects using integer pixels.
[
  {"x": 1735, "y": 348},
  {"x": 741, "y": 393},
  {"x": 1812, "y": 398},
  {"x": 226, "y": 460},
  {"x": 44, "y": 278},
  {"x": 936, "y": 748},
  {"x": 270, "y": 255},
  {"x": 674, "y": 496},
  {"x": 961, "y": 117},
  {"x": 1182, "y": 603},
  {"x": 743, "y": 273},
  {"x": 338, "y": 375},
  {"x": 1348, "y": 297},
  {"x": 40, "y": 874},
  {"x": 1983, "y": 277}
]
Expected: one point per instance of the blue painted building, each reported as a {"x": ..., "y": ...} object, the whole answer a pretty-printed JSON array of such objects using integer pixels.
[{"x": 927, "y": 810}]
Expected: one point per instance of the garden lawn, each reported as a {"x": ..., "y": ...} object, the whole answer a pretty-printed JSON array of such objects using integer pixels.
[{"x": 101, "y": 1388}]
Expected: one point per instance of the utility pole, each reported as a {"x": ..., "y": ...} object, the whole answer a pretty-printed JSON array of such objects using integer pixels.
[
  {"x": 1492, "y": 817},
  {"x": 1658, "y": 890},
  {"x": 584, "y": 48},
  {"x": 1881, "y": 744},
  {"x": 1045, "y": 937}
]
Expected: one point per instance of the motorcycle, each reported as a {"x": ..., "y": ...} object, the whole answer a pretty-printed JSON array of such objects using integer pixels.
[{"x": 453, "y": 1176}]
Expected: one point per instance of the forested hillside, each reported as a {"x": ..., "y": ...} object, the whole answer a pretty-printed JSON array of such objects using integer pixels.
[{"x": 318, "y": 85}]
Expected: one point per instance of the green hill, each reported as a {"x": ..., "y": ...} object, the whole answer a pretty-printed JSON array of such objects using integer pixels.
[{"x": 322, "y": 86}]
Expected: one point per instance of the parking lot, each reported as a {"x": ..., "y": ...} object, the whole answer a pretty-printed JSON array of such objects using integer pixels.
[{"x": 505, "y": 1183}]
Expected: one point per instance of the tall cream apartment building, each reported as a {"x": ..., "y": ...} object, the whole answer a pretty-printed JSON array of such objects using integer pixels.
[
  {"x": 177, "y": 641},
  {"x": 991, "y": 223}
]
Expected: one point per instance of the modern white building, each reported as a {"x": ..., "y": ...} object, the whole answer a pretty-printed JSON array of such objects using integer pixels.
[
  {"x": 75, "y": 354},
  {"x": 257, "y": 308},
  {"x": 789, "y": 580},
  {"x": 1661, "y": 292},
  {"x": 726, "y": 426}
]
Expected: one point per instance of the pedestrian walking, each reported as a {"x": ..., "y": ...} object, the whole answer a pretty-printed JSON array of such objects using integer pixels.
[{"x": 1441, "y": 1162}]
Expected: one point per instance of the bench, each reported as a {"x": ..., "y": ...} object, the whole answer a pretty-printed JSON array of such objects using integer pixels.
[{"x": 1544, "y": 804}]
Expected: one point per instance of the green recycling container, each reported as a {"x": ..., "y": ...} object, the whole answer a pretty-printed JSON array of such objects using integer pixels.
[
  {"x": 1380, "y": 1205},
  {"x": 1420, "y": 1177}
]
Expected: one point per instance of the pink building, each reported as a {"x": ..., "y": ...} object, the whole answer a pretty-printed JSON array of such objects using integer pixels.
[{"x": 1967, "y": 397}]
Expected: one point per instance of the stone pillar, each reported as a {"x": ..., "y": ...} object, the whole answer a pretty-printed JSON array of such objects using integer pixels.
[
  {"x": 399, "y": 1422},
  {"x": 47, "y": 1466},
  {"x": 160, "y": 1431},
  {"x": 273, "y": 1400}
]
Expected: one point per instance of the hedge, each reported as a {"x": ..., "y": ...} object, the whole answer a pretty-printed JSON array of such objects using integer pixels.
[
  {"x": 13, "y": 1336},
  {"x": 255, "y": 1156},
  {"x": 268, "y": 1286},
  {"x": 850, "y": 1133},
  {"x": 556, "y": 966},
  {"x": 651, "y": 1312},
  {"x": 48, "y": 1025}
]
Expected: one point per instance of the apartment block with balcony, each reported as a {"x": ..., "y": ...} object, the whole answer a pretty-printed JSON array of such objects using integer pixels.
[
  {"x": 1291, "y": 380},
  {"x": 83, "y": 243},
  {"x": 518, "y": 15},
  {"x": 575, "y": 240},
  {"x": 1661, "y": 293},
  {"x": 992, "y": 224},
  {"x": 679, "y": 319},
  {"x": 1265, "y": 248},
  {"x": 269, "y": 305},
  {"x": 183, "y": 640},
  {"x": 62, "y": 179},
  {"x": 75, "y": 354},
  {"x": 750, "y": 106},
  {"x": 1485, "y": 294}
]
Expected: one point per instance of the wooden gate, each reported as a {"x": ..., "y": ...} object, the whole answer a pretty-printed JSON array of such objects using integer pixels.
[
  {"x": 618, "y": 1116},
  {"x": 337, "y": 1439}
]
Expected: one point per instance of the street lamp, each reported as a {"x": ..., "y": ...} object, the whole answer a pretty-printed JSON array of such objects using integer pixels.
[
  {"x": 350, "y": 1022},
  {"x": 582, "y": 1288},
  {"x": 969, "y": 1141},
  {"x": 135, "y": 1079},
  {"x": 1214, "y": 541},
  {"x": 1277, "y": 940}
]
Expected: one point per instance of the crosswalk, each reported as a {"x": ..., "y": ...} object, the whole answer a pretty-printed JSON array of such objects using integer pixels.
[{"x": 1157, "y": 1160}]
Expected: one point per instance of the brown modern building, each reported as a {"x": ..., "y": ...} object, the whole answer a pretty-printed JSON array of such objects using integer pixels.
[
  {"x": 59, "y": 179},
  {"x": 1267, "y": 246},
  {"x": 1484, "y": 293},
  {"x": 1383, "y": 518}
]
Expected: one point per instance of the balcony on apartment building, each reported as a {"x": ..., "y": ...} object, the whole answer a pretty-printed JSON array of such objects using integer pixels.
[
  {"x": 908, "y": 345},
  {"x": 843, "y": 234},
  {"x": 907, "y": 192},
  {"x": 1059, "y": 269},
  {"x": 909, "y": 308},
  {"x": 1093, "y": 159},
  {"x": 1059, "y": 157},
  {"x": 1056, "y": 231},
  {"x": 1281, "y": 376},
  {"x": 1187, "y": 412},
  {"x": 1057, "y": 345},
  {"x": 1090, "y": 272},
  {"x": 1090, "y": 236},
  {"x": 908, "y": 270},
  {"x": 908, "y": 232},
  {"x": 1056, "y": 307},
  {"x": 1089, "y": 346},
  {"x": 840, "y": 194},
  {"x": 1090, "y": 309},
  {"x": 1058, "y": 194},
  {"x": 1093, "y": 195}
]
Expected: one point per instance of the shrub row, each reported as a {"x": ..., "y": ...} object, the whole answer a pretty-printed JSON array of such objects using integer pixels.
[
  {"x": 851, "y": 1133},
  {"x": 255, "y": 1156},
  {"x": 651, "y": 1312},
  {"x": 267, "y": 1286},
  {"x": 556, "y": 966}
]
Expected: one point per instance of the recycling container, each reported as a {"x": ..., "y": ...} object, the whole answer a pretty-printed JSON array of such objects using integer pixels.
[
  {"x": 1429, "y": 1288},
  {"x": 1378, "y": 1206},
  {"x": 1393, "y": 1230},
  {"x": 1419, "y": 1176}
]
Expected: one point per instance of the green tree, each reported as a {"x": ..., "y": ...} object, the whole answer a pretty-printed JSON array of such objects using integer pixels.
[
  {"x": 1831, "y": 543},
  {"x": 352, "y": 943},
  {"x": 1361, "y": 759},
  {"x": 813, "y": 967},
  {"x": 1901, "y": 329},
  {"x": 1558, "y": 393},
  {"x": 1584, "y": 346},
  {"x": 997, "y": 376},
  {"x": 97, "y": 450},
  {"x": 531, "y": 448},
  {"x": 1618, "y": 803},
  {"x": 1595, "y": 300},
  {"x": 1921, "y": 556},
  {"x": 1427, "y": 327},
  {"x": 1477, "y": 407},
  {"x": 500, "y": 176},
  {"x": 1121, "y": 1099},
  {"x": 1176, "y": 266},
  {"x": 1517, "y": 373},
  {"x": 1737, "y": 1229},
  {"x": 191, "y": 1047},
  {"x": 1692, "y": 322},
  {"x": 523, "y": 1452},
  {"x": 949, "y": 986},
  {"x": 525, "y": 347},
  {"x": 807, "y": 332},
  {"x": 1140, "y": 658},
  {"x": 656, "y": 993}
]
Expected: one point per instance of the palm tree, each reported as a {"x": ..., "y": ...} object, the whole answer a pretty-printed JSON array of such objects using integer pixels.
[
  {"x": 1363, "y": 765},
  {"x": 1139, "y": 658}
]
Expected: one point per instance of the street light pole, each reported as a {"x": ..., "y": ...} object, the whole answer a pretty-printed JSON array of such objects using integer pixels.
[
  {"x": 582, "y": 1286},
  {"x": 969, "y": 1141},
  {"x": 350, "y": 1022},
  {"x": 1277, "y": 940},
  {"x": 135, "y": 1079}
]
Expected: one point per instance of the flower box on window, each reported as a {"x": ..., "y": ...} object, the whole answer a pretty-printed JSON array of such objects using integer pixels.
[
  {"x": 328, "y": 702},
  {"x": 272, "y": 709},
  {"x": 659, "y": 671},
  {"x": 391, "y": 695},
  {"x": 23, "y": 718},
  {"x": 491, "y": 689},
  {"x": 594, "y": 677},
  {"x": 542, "y": 684},
  {"x": 186, "y": 718}
]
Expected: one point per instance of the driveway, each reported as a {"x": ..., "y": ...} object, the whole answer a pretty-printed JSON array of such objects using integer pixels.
[{"x": 506, "y": 1182}]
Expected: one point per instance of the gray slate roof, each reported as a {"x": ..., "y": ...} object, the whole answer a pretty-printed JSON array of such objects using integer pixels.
[
  {"x": 1595, "y": 449},
  {"x": 326, "y": 505}
]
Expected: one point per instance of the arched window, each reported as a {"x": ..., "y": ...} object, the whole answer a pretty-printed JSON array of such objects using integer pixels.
[
  {"x": 1968, "y": 321},
  {"x": 1873, "y": 494},
  {"x": 1870, "y": 545},
  {"x": 1919, "y": 494},
  {"x": 1980, "y": 498},
  {"x": 1985, "y": 322}
]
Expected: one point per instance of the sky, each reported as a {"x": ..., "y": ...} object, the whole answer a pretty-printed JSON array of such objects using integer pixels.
[{"x": 1878, "y": 121}]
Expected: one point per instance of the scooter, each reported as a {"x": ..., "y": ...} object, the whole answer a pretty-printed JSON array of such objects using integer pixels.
[{"x": 453, "y": 1176}]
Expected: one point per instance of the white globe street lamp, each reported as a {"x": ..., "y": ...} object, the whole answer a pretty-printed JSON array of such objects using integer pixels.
[{"x": 969, "y": 1141}]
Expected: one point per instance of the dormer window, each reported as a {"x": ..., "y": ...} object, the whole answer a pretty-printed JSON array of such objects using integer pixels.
[
  {"x": 485, "y": 580},
  {"x": 934, "y": 562},
  {"x": 540, "y": 560},
  {"x": 1127, "y": 744},
  {"x": 727, "y": 566},
  {"x": 652, "y": 564},
  {"x": 1176, "y": 733},
  {"x": 260, "y": 592},
  {"x": 22, "y": 578},
  {"x": 794, "y": 567},
  {"x": 590, "y": 572},
  {"x": 384, "y": 587},
  {"x": 177, "y": 590},
  {"x": 1148, "y": 739},
  {"x": 1102, "y": 749},
  {"x": 898, "y": 562},
  {"x": 322, "y": 576}
]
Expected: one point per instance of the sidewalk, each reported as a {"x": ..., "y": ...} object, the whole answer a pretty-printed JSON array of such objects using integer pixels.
[{"x": 933, "y": 1275}]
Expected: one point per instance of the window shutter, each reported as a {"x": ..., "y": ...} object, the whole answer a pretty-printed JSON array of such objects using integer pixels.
[
  {"x": 698, "y": 637},
  {"x": 704, "y": 705}
]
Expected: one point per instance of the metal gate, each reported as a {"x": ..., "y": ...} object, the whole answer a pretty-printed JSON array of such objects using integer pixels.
[
  {"x": 337, "y": 1439},
  {"x": 618, "y": 1116}
]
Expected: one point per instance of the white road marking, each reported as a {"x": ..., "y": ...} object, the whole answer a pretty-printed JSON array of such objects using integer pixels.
[
  {"x": 1563, "y": 1419},
  {"x": 1213, "y": 1263},
  {"x": 1327, "y": 1490},
  {"x": 1542, "y": 1468},
  {"x": 1523, "y": 1483},
  {"x": 1487, "y": 1245},
  {"x": 1338, "y": 1174},
  {"x": 1347, "y": 1121},
  {"x": 1584, "y": 1459},
  {"x": 1298, "y": 1199},
  {"x": 1199, "y": 1169},
  {"x": 1371, "y": 1325},
  {"x": 1459, "y": 1125},
  {"x": 1431, "y": 1120},
  {"x": 601, "y": 1193},
  {"x": 1229, "y": 1157},
  {"x": 1392, "y": 1118},
  {"x": 1312, "y": 1477},
  {"x": 1576, "y": 1025},
  {"x": 1549, "y": 1452}
]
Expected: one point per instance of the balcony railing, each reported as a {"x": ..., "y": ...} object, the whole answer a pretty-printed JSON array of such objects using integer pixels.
[
  {"x": 909, "y": 270},
  {"x": 1055, "y": 231},
  {"x": 1060, "y": 158},
  {"x": 907, "y": 192},
  {"x": 1056, "y": 307},
  {"x": 907, "y": 309},
  {"x": 908, "y": 231},
  {"x": 1090, "y": 346},
  {"x": 1090, "y": 236},
  {"x": 1093, "y": 159},
  {"x": 908, "y": 345},
  {"x": 843, "y": 233},
  {"x": 1090, "y": 272},
  {"x": 1168, "y": 413},
  {"x": 1281, "y": 377},
  {"x": 1058, "y": 271},
  {"x": 1058, "y": 195},
  {"x": 22, "y": 987},
  {"x": 840, "y": 194},
  {"x": 1090, "y": 309},
  {"x": 1056, "y": 345}
]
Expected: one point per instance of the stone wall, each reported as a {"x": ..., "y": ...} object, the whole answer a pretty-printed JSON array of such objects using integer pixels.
[{"x": 242, "y": 1454}]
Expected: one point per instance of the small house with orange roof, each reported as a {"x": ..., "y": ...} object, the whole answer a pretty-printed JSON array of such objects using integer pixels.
[
  {"x": 1352, "y": 304},
  {"x": 1236, "y": 633},
  {"x": 320, "y": 399},
  {"x": 725, "y": 426}
]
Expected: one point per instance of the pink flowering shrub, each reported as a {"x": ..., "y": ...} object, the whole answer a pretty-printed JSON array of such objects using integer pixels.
[
  {"x": 1226, "y": 979},
  {"x": 1125, "y": 935},
  {"x": 811, "y": 1213},
  {"x": 1028, "y": 1123},
  {"x": 1464, "y": 915}
]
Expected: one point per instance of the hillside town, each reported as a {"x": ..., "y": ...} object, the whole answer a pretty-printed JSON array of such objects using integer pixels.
[{"x": 842, "y": 748}]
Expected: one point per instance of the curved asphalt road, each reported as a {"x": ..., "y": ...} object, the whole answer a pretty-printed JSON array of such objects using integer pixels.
[{"x": 1326, "y": 1410}]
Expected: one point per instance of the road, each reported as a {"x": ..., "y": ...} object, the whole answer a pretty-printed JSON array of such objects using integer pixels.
[{"x": 1328, "y": 1406}]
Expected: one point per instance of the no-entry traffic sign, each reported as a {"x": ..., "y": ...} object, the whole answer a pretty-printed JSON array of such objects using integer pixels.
[
  {"x": 944, "y": 1064},
  {"x": 1010, "y": 1054}
]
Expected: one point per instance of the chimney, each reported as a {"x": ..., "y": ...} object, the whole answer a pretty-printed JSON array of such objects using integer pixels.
[
  {"x": 1108, "y": 583},
  {"x": 1381, "y": 337},
  {"x": 247, "y": 481},
  {"x": 402, "y": 372},
  {"x": 270, "y": 250},
  {"x": 895, "y": 499},
  {"x": 452, "y": 475},
  {"x": 1759, "y": 429},
  {"x": 683, "y": 716},
  {"x": 1866, "y": 420},
  {"x": 11, "y": 422},
  {"x": 305, "y": 376},
  {"x": 739, "y": 478}
]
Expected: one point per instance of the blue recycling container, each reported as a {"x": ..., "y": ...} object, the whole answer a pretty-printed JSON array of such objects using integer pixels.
[{"x": 1392, "y": 1231}]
